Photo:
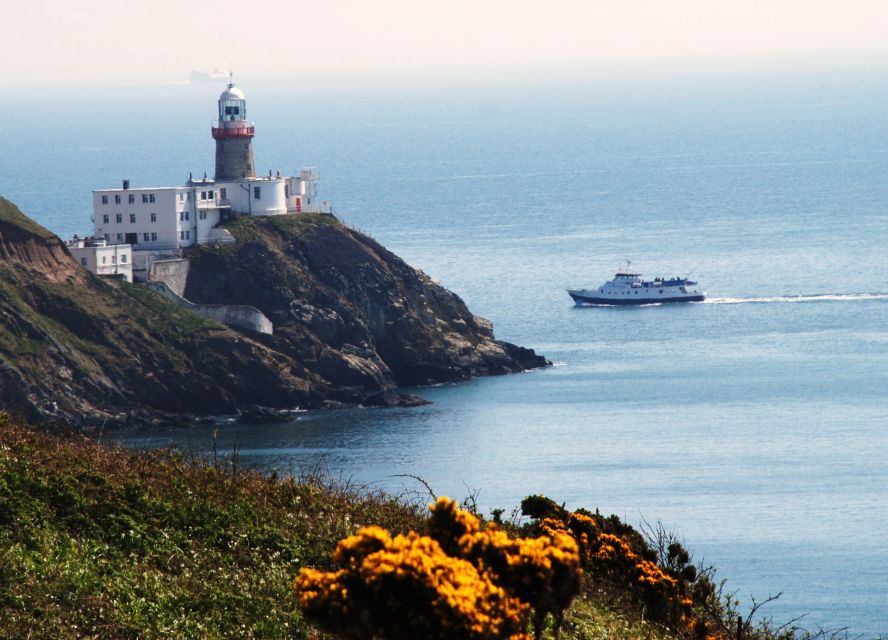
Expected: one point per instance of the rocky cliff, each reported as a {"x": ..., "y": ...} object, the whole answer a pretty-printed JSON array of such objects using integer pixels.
[
  {"x": 352, "y": 323},
  {"x": 353, "y": 313}
]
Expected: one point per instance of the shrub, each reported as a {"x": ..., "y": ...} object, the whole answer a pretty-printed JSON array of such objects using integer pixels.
[
  {"x": 406, "y": 587},
  {"x": 460, "y": 581},
  {"x": 617, "y": 556}
]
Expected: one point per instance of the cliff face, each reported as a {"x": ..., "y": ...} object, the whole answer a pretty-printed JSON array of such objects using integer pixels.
[
  {"x": 87, "y": 351},
  {"x": 348, "y": 309},
  {"x": 352, "y": 322}
]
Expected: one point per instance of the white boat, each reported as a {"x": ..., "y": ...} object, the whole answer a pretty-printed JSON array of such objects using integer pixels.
[{"x": 629, "y": 288}]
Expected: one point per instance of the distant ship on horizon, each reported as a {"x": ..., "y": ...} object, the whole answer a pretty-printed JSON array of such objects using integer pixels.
[{"x": 197, "y": 77}]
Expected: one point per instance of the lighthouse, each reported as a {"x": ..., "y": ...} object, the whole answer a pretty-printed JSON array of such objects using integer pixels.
[
  {"x": 156, "y": 223},
  {"x": 234, "y": 137}
]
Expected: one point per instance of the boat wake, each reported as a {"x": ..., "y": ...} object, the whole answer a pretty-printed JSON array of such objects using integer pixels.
[{"x": 819, "y": 297}]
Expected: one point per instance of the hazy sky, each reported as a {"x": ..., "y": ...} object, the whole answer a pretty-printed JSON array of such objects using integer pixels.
[{"x": 119, "y": 40}]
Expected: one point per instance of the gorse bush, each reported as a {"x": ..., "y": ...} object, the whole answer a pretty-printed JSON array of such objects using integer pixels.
[
  {"x": 669, "y": 590},
  {"x": 101, "y": 542},
  {"x": 459, "y": 581},
  {"x": 406, "y": 587},
  {"x": 543, "y": 571}
]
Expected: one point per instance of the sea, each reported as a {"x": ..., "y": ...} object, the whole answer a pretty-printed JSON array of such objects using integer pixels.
[{"x": 753, "y": 425}]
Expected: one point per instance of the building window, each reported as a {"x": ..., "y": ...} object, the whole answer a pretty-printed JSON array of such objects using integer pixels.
[
  {"x": 181, "y": 197},
  {"x": 132, "y": 198},
  {"x": 105, "y": 218},
  {"x": 257, "y": 193},
  {"x": 223, "y": 193},
  {"x": 107, "y": 237},
  {"x": 181, "y": 235},
  {"x": 153, "y": 236},
  {"x": 188, "y": 235},
  {"x": 146, "y": 237},
  {"x": 83, "y": 262},
  {"x": 119, "y": 237},
  {"x": 118, "y": 217},
  {"x": 132, "y": 218},
  {"x": 104, "y": 199},
  {"x": 144, "y": 197},
  {"x": 104, "y": 259},
  {"x": 117, "y": 199},
  {"x": 203, "y": 195},
  {"x": 202, "y": 215},
  {"x": 286, "y": 191},
  {"x": 187, "y": 215},
  {"x": 113, "y": 259},
  {"x": 153, "y": 217},
  {"x": 211, "y": 194},
  {"x": 123, "y": 258},
  {"x": 150, "y": 197}
]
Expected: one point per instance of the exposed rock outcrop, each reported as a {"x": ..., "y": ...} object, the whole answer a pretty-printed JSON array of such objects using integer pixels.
[
  {"x": 352, "y": 322},
  {"x": 348, "y": 309}
]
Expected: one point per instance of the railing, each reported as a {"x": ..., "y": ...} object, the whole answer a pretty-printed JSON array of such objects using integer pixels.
[
  {"x": 155, "y": 246},
  {"x": 213, "y": 203},
  {"x": 220, "y": 133}
]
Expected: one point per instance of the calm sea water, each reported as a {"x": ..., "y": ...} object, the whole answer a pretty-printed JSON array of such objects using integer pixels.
[{"x": 753, "y": 424}]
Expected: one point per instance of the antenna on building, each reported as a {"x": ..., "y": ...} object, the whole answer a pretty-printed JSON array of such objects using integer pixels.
[{"x": 230, "y": 79}]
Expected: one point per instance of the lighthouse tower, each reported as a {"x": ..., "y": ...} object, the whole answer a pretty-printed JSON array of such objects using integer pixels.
[{"x": 234, "y": 137}]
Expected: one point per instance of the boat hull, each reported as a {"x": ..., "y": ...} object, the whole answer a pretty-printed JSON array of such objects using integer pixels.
[{"x": 582, "y": 298}]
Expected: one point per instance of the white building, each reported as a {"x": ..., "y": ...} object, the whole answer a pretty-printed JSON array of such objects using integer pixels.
[
  {"x": 102, "y": 258},
  {"x": 159, "y": 221}
]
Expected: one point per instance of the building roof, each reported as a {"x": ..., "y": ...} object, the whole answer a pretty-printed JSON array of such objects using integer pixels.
[{"x": 140, "y": 189}]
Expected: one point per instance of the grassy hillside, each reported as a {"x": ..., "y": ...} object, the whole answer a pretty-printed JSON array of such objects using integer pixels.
[
  {"x": 98, "y": 542},
  {"x": 87, "y": 351}
]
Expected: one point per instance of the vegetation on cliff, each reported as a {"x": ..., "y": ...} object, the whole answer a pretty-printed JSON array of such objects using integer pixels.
[
  {"x": 101, "y": 542},
  {"x": 83, "y": 350}
]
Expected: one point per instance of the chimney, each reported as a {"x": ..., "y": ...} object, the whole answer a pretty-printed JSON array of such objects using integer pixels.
[{"x": 125, "y": 184}]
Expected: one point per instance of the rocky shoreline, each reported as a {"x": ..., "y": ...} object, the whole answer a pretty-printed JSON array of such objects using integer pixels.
[{"x": 352, "y": 324}]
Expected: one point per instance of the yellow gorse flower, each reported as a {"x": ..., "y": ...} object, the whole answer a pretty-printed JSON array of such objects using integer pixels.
[
  {"x": 620, "y": 560},
  {"x": 458, "y": 582}
]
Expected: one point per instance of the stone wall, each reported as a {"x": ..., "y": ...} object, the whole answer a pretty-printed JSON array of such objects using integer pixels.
[
  {"x": 173, "y": 272},
  {"x": 234, "y": 315}
]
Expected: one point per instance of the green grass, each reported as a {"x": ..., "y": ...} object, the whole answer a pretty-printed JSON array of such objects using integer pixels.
[
  {"x": 102, "y": 542},
  {"x": 166, "y": 315},
  {"x": 10, "y": 214},
  {"x": 589, "y": 619},
  {"x": 246, "y": 229}
]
